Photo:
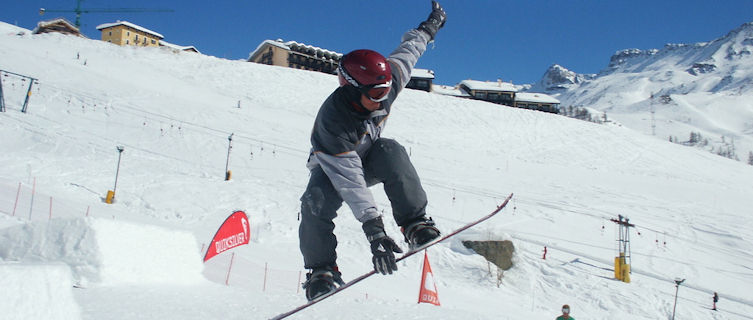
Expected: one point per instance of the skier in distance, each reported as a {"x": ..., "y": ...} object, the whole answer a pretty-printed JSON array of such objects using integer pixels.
[{"x": 348, "y": 156}]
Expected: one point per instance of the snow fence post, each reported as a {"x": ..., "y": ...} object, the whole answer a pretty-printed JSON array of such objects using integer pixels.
[
  {"x": 2, "y": 100},
  {"x": 264, "y": 285},
  {"x": 227, "y": 279},
  {"x": 15, "y": 205},
  {"x": 298, "y": 286},
  {"x": 33, "y": 189}
]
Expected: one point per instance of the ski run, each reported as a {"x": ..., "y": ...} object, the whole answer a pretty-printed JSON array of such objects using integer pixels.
[{"x": 65, "y": 254}]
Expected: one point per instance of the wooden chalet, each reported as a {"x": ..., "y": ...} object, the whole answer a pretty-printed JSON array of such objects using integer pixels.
[{"x": 59, "y": 25}]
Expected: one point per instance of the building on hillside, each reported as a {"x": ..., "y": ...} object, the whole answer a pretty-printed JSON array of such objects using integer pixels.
[
  {"x": 301, "y": 56},
  {"x": 501, "y": 93},
  {"x": 537, "y": 101},
  {"x": 496, "y": 92},
  {"x": 449, "y": 91},
  {"x": 421, "y": 79},
  {"x": 296, "y": 55},
  {"x": 178, "y": 48},
  {"x": 59, "y": 25},
  {"x": 124, "y": 33}
]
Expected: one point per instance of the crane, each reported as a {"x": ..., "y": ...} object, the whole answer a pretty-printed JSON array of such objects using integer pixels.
[{"x": 78, "y": 10}]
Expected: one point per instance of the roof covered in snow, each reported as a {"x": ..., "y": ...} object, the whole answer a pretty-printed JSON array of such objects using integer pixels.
[
  {"x": 535, "y": 97},
  {"x": 48, "y": 23},
  {"x": 130, "y": 25},
  {"x": 178, "y": 47},
  {"x": 448, "y": 90},
  {"x": 422, "y": 73},
  {"x": 288, "y": 45},
  {"x": 489, "y": 85}
]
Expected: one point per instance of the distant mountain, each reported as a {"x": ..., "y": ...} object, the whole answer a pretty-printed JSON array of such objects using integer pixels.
[
  {"x": 558, "y": 78},
  {"x": 672, "y": 92},
  {"x": 713, "y": 66}
]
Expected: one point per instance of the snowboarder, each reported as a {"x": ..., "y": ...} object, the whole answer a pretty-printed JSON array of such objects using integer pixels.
[
  {"x": 348, "y": 155},
  {"x": 565, "y": 313},
  {"x": 716, "y": 299}
]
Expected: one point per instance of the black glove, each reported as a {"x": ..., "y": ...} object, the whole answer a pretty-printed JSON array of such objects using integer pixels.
[
  {"x": 435, "y": 21},
  {"x": 382, "y": 246}
]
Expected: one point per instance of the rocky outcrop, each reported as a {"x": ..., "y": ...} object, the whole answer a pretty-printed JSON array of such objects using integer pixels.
[{"x": 497, "y": 252}]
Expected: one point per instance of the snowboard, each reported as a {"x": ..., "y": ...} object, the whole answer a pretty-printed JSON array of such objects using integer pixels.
[{"x": 403, "y": 257}]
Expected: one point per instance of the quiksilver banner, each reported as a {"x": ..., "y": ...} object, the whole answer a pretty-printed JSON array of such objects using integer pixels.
[{"x": 232, "y": 233}]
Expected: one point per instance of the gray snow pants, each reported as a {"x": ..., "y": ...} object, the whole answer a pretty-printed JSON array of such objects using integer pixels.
[{"x": 388, "y": 163}]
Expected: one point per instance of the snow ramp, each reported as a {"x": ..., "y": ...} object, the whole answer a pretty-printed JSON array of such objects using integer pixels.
[
  {"x": 107, "y": 252},
  {"x": 37, "y": 291}
]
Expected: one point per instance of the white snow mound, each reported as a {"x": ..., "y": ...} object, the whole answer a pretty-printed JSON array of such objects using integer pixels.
[{"x": 107, "y": 252}]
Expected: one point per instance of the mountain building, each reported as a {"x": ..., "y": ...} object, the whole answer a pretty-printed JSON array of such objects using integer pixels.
[
  {"x": 59, "y": 25},
  {"x": 536, "y": 101},
  {"x": 421, "y": 79},
  {"x": 296, "y": 55},
  {"x": 176, "y": 47},
  {"x": 124, "y": 33},
  {"x": 496, "y": 92}
]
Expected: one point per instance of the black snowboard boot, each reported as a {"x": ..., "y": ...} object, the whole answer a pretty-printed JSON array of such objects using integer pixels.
[
  {"x": 420, "y": 232},
  {"x": 321, "y": 281}
]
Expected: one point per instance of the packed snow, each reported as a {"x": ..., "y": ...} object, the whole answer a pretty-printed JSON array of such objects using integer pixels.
[{"x": 66, "y": 254}]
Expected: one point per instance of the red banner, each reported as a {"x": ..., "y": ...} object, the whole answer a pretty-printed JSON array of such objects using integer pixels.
[
  {"x": 428, "y": 292},
  {"x": 232, "y": 233}
]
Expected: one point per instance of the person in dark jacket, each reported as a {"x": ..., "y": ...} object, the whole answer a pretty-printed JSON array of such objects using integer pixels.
[{"x": 348, "y": 155}]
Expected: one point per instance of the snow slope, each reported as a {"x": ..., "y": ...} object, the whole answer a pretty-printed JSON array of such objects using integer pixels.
[{"x": 173, "y": 114}]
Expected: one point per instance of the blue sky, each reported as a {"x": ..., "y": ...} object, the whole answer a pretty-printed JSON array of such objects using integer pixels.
[{"x": 512, "y": 40}]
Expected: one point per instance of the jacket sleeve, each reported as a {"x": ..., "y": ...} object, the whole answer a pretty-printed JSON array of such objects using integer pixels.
[
  {"x": 345, "y": 171},
  {"x": 405, "y": 56}
]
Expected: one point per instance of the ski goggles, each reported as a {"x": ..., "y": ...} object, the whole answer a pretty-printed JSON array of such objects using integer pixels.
[
  {"x": 565, "y": 310},
  {"x": 377, "y": 92}
]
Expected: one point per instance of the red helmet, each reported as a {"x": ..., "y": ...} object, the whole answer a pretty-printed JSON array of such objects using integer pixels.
[{"x": 368, "y": 71}]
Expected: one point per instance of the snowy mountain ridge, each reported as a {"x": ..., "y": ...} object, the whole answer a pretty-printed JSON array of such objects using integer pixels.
[{"x": 674, "y": 92}]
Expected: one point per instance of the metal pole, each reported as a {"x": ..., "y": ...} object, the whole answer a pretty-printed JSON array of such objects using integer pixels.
[
  {"x": 227, "y": 162},
  {"x": 627, "y": 243},
  {"x": 117, "y": 171},
  {"x": 28, "y": 95},
  {"x": 78, "y": 15},
  {"x": 677, "y": 289}
]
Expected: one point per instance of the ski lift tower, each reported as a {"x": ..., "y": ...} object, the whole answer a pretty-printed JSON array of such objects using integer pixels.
[
  {"x": 78, "y": 10},
  {"x": 622, "y": 261}
]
